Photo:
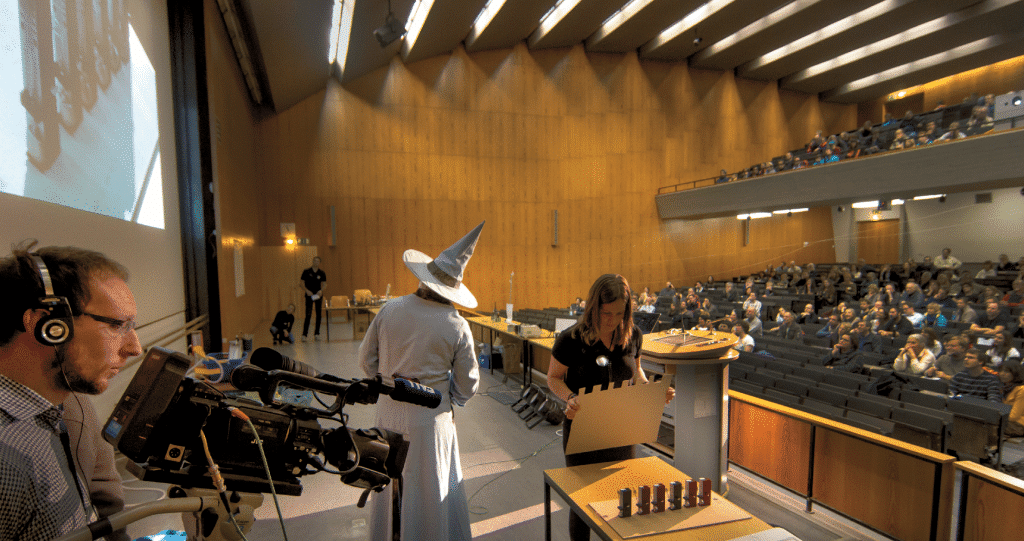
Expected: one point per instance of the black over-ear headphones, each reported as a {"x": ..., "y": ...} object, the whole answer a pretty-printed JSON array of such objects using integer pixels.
[{"x": 58, "y": 326}]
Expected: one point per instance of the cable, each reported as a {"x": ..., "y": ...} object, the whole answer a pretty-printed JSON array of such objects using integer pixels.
[
  {"x": 270, "y": 479},
  {"x": 218, "y": 483},
  {"x": 521, "y": 461}
]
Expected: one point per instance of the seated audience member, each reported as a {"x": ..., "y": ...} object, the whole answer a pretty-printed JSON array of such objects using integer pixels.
[
  {"x": 707, "y": 306},
  {"x": 789, "y": 329},
  {"x": 988, "y": 270},
  {"x": 703, "y": 321},
  {"x": 769, "y": 289},
  {"x": 281, "y": 328},
  {"x": 730, "y": 321},
  {"x": 896, "y": 324},
  {"x": 808, "y": 316},
  {"x": 941, "y": 297},
  {"x": 970, "y": 292},
  {"x": 952, "y": 133},
  {"x": 648, "y": 306},
  {"x": 952, "y": 361},
  {"x": 576, "y": 308},
  {"x": 1005, "y": 264},
  {"x": 642, "y": 299},
  {"x": 731, "y": 295},
  {"x": 754, "y": 326},
  {"x": 913, "y": 295},
  {"x": 931, "y": 341},
  {"x": 752, "y": 302},
  {"x": 667, "y": 292},
  {"x": 947, "y": 260},
  {"x": 914, "y": 358},
  {"x": 746, "y": 342},
  {"x": 933, "y": 317},
  {"x": 964, "y": 312},
  {"x": 1015, "y": 297},
  {"x": 698, "y": 288},
  {"x": 848, "y": 315},
  {"x": 865, "y": 340},
  {"x": 1019, "y": 333},
  {"x": 830, "y": 328},
  {"x": 722, "y": 178},
  {"x": 993, "y": 320},
  {"x": 899, "y": 140},
  {"x": 826, "y": 294},
  {"x": 875, "y": 316},
  {"x": 817, "y": 142},
  {"x": 1002, "y": 349},
  {"x": 890, "y": 296},
  {"x": 974, "y": 380},
  {"x": 1011, "y": 375},
  {"x": 843, "y": 356}
]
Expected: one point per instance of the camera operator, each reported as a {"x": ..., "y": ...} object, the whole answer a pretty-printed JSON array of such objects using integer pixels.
[
  {"x": 66, "y": 327},
  {"x": 422, "y": 337}
]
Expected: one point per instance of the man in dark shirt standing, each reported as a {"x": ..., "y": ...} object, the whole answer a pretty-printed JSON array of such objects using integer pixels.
[{"x": 313, "y": 280}]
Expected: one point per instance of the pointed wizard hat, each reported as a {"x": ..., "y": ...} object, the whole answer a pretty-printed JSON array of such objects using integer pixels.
[{"x": 443, "y": 274}]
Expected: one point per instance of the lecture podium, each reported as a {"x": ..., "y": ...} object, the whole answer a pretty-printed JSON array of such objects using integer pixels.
[{"x": 700, "y": 407}]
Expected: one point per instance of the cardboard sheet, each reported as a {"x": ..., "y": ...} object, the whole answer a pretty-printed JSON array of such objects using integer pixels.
[
  {"x": 628, "y": 415},
  {"x": 719, "y": 512}
]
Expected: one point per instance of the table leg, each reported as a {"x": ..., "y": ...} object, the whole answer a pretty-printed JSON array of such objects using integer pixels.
[{"x": 547, "y": 511}]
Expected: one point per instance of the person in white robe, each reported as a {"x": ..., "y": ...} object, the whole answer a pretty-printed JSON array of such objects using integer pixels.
[{"x": 423, "y": 338}]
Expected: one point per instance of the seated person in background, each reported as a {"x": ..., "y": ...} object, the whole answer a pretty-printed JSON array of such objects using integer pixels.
[
  {"x": 1019, "y": 333},
  {"x": 752, "y": 302},
  {"x": 849, "y": 315},
  {"x": 826, "y": 294},
  {"x": 668, "y": 291},
  {"x": 876, "y": 316},
  {"x": 988, "y": 270},
  {"x": 941, "y": 297},
  {"x": 931, "y": 341},
  {"x": 754, "y": 326},
  {"x": 648, "y": 306},
  {"x": 789, "y": 328},
  {"x": 898, "y": 141},
  {"x": 843, "y": 356},
  {"x": 576, "y": 308},
  {"x": 281, "y": 328},
  {"x": 808, "y": 316},
  {"x": 951, "y": 362},
  {"x": 1005, "y": 264},
  {"x": 698, "y": 288},
  {"x": 969, "y": 291},
  {"x": 992, "y": 321},
  {"x": 964, "y": 313},
  {"x": 1015, "y": 297},
  {"x": 723, "y": 177},
  {"x": 974, "y": 380},
  {"x": 731, "y": 294},
  {"x": 830, "y": 328},
  {"x": 642, "y": 299},
  {"x": 890, "y": 296},
  {"x": 707, "y": 306},
  {"x": 1011, "y": 375},
  {"x": 914, "y": 358},
  {"x": 731, "y": 320},
  {"x": 933, "y": 317},
  {"x": 769, "y": 289},
  {"x": 953, "y": 133},
  {"x": 1002, "y": 349},
  {"x": 896, "y": 324},
  {"x": 946, "y": 260},
  {"x": 913, "y": 295},
  {"x": 703, "y": 321},
  {"x": 865, "y": 340},
  {"x": 746, "y": 342}
]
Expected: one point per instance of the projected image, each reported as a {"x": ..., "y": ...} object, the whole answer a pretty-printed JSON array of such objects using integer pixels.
[{"x": 78, "y": 110}]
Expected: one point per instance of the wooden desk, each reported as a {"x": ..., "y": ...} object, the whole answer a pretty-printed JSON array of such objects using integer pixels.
[
  {"x": 352, "y": 312},
  {"x": 513, "y": 343},
  {"x": 581, "y": 485}
]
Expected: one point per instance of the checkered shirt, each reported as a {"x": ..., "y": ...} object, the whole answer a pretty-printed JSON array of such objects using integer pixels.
[{"x": 39, "y": 498}]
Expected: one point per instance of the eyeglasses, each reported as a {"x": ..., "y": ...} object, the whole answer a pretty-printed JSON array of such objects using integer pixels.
[{"x": 121, "y": 325}]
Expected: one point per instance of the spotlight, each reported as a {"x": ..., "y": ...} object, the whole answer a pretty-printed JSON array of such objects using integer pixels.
[
  {"x": 839, "y": 209},
  {"x": 1015, "y": 101},
  {"x": 696, "y": 42},
  {"x": 390, "y": 32}
]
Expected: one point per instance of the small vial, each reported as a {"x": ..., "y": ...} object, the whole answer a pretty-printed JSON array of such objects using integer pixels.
[
  {"x": 675, "y": 495},
  {"x": 705, "y": 491},
  {"x": 659, "y": 498},
  {"x": 643, "y": 500},
  {"x": 625, "y": 502},
  {"x": 690, "y": 497}
]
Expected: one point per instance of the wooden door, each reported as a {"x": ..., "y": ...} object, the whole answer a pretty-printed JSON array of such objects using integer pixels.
[{"x": 879, "y": 242}]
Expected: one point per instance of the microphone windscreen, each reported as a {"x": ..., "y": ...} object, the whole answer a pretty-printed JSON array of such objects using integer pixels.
[
  {"x": 266, "y": 358},
  {"x": 248, "y": 378}
]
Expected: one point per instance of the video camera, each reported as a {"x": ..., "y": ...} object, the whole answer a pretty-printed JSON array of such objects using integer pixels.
[{"x": 157, "y": 425}]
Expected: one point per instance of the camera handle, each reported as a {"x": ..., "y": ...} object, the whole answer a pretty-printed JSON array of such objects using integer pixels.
[{"x": 203, "y": 515}]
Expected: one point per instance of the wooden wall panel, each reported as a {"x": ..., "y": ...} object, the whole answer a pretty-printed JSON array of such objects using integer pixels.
[
  {"x": 856, "y": 474},
  {"x": 771, "y": 445},
  {"x": 415, "y": 156}
]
